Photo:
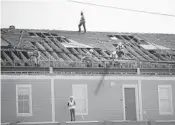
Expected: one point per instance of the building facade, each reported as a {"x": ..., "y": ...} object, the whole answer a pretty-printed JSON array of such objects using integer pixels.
[{"x": 43, "y": 98}]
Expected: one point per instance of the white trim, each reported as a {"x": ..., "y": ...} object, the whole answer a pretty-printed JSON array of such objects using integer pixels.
[
  {"x": 17, "y": 99},
  {"x": 1, "y": 96},
  {"x": 165, "y": 120},
  {"x": 83, "y": 121},
  {"x": 52, "y": 99},
  {"x": 86, "y": 98},
  {"x": 140, "y": 101},
  {"x": 26, "y": 123},
  {"x": 171, "y": 100},
  {"x": 124, "y": 112},
  {"x": 30, "y": 100},
  {"x": 136, "y": 97},
  {"x": 120, "y": 121},
  {"x": 68, "y": 77}
]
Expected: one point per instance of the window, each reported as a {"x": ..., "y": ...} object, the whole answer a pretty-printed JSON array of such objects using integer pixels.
[
  {"x": 23, "y": 100},
  {"x": 80, "y": 95},
  {"x": 114, "y": 38},
  {"x": 31, "y": 34},
  {"x": 165, "y": 100}
]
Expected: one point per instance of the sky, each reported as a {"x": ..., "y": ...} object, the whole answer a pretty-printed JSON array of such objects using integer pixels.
[{"x": 65, "y": 15}]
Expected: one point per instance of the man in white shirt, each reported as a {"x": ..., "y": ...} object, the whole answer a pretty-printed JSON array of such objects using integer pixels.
[
  {"x": 71, "y": 105},
  {"x": 114, "y": 55}
]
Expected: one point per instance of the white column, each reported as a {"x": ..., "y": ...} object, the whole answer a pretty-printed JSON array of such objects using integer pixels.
[
  {"x": 138, "y": 71},
  {"x": 53, "y": 99},
  {"x": 140, "y": 101},
  {"x": 51, "y": 69}
]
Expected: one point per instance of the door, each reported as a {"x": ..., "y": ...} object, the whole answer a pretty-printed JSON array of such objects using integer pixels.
[{"x": 130, "y": 103}]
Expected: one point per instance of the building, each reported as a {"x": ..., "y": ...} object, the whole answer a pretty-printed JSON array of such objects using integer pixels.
[{"x": 36, "y": 87}]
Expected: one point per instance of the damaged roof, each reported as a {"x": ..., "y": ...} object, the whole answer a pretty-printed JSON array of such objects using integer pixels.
[{"x": 73, "y": 46}]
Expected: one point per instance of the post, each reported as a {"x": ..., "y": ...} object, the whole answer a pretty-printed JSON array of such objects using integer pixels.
[
  {"x": 140, "y": 101},
  {"x": 138, "y": 71},
  {"x": 51, "y": 70},
  {"x": 52, "y": 99}
]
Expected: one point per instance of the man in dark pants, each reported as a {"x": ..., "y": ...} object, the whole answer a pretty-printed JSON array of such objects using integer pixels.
[
  {"x": 71, "y": 105},
  {"x": 82, "y": 22}
]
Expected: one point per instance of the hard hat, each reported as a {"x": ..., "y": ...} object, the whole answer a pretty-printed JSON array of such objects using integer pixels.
[{"x": 120, "y": 44}]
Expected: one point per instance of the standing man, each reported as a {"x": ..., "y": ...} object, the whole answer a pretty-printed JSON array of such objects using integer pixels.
[
  {"x": 82, "y": 22},
  {"x": 71, "y": 105}
]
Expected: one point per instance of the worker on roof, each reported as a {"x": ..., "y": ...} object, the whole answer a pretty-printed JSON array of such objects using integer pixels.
[
  {"x": 118, "y": 53},
  {"x": 82, "y": 22},
  {"x": 114, "y": 54},
  {"x": 120, "y": 50}
]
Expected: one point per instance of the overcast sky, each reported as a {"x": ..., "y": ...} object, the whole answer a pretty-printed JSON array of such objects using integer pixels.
[{"x": 65, "y": 15}]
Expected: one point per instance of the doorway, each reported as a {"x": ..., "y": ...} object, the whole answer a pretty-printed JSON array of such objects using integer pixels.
[{"x": 130, "y": 102}]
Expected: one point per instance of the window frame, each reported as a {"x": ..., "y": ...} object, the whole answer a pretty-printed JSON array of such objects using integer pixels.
[
  {"x": 169, "y": 87},
  {"x": 18, "y": 86},
  {"x": 86, "y": 98}
]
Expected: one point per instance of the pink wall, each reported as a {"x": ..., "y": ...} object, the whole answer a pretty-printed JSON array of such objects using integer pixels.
[
  {"x": 150, "y": 99},
  {"x": 106, "y": 105},
  {"x": 41, "y": 103}
]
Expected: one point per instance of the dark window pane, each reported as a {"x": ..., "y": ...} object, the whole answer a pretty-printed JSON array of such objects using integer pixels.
[{"x": 23, "y": 107}]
